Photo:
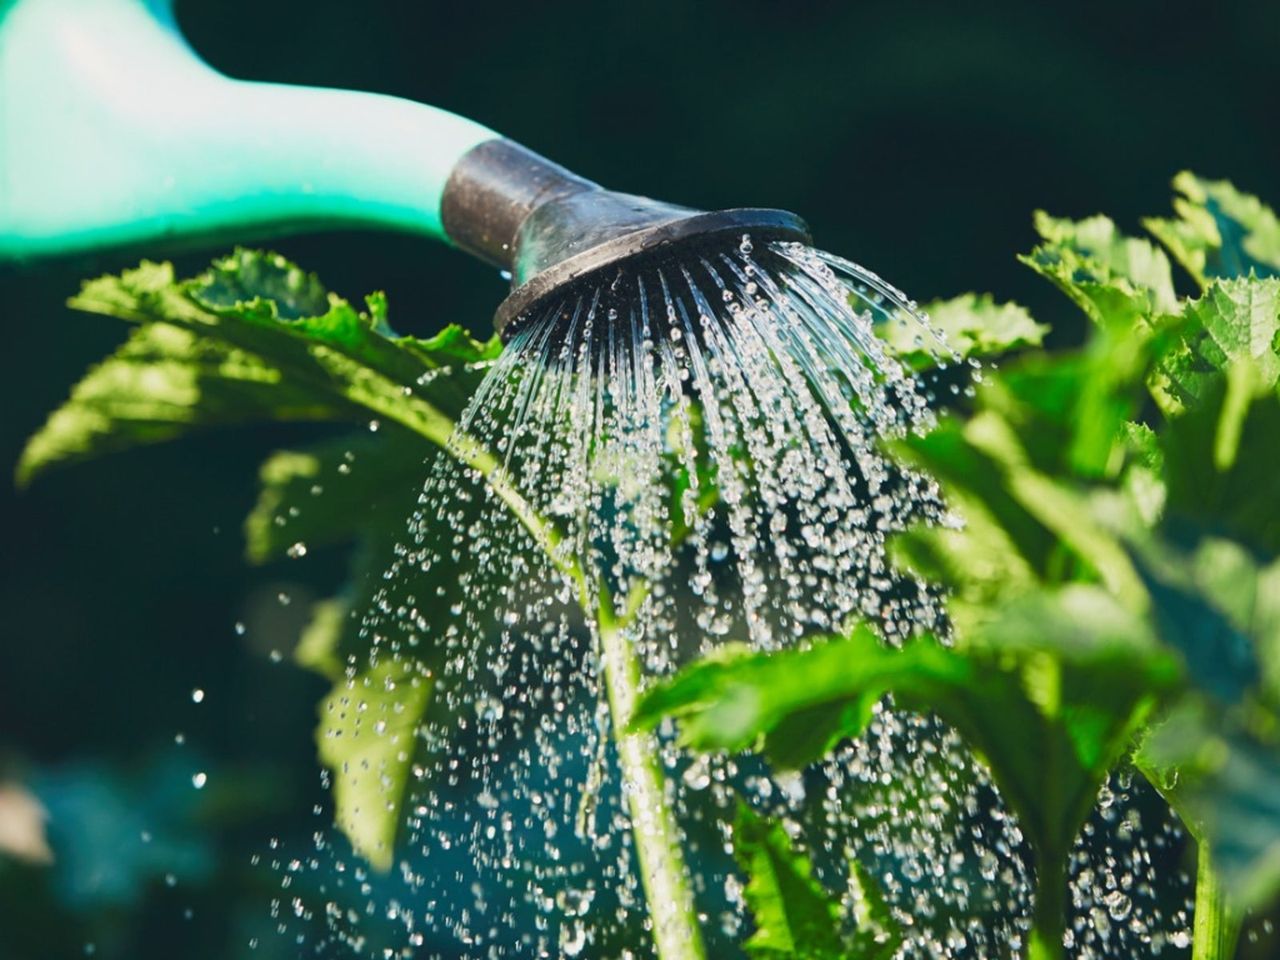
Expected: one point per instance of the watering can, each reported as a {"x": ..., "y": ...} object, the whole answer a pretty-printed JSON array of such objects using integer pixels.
[{"x": 114, "y": 133}]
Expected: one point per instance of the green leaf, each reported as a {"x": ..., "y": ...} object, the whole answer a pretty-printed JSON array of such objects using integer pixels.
[
  {"x": 1117, "y": 281},
  {"x": 1203, "y": 604},
  {"x": 1243, "y": 319},
  {"x": 1049, "y": 692},
  {"x": 319, "y": 645},
  {"x": 1220, "y": 466},
  {"x": 163, "y": 382},
  {"x": 1266, "y": 630},
  {"x": 1219, "y": 231},
  {"x": 1224, "y": 783},
  {"x": 255, "y": 338},
  {"x": 222, "y": 349},
  {"x": 335, "y": 492},
  {"x": 368, "y": 734},
  {"x": 1143, "y": 476},
  {"x": 363, "y": 489},
  {"x": 794, "y": 915},
  {"x": 1050, "y": 524},
  {"x": 735, "y": 698},
  {"x": 878, "y": 936},
  {"x": 971, "y": 325}
]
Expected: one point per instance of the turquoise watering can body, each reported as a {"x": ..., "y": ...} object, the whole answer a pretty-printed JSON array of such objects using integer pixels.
[{"x": 113, "y": 132}]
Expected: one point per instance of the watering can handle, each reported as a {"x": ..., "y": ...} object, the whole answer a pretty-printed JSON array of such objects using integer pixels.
[{"x": 113, "y": 132}]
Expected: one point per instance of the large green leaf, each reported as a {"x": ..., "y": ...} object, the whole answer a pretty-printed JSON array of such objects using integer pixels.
[
  {"x": 1219, "y": 231},
  {"x": 1049, "y": 692},
  {"x": 253, "y": 339},
  {"x": 1220, "y": 461},
  {"x": 257, "y": 339},
  {"x": 163, "y": 382}
]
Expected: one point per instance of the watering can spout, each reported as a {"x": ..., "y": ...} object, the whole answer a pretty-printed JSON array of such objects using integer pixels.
[{"x": 113, "y": 132}]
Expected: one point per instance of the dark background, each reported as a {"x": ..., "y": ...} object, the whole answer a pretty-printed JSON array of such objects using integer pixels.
[{"x": 915, "y": 138}]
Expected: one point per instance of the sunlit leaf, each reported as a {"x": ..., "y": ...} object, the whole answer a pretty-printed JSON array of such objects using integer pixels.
[
  {"x": 1219, "y": 231},
  {"x": 221, "y": 349},
  {"x": 1117, "y": 281},
  {"x": 1045, "y": 693}
]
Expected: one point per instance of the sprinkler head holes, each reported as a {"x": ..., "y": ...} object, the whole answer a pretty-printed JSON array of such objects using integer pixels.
[{"x": 560, "y": 236}]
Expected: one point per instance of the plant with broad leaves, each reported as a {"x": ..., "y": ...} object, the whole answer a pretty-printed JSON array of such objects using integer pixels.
[{"x": 1110, "y": 589}]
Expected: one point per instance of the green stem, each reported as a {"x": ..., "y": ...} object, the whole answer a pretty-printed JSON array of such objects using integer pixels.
[
  {"x": 667, "y": 890},
  {"x": 1049, "y": 918},
  {"x": 662, "y": 870},
  {"x": 1215, "y": 926}
]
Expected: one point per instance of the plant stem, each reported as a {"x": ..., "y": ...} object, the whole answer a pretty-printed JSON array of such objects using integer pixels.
[
  {"x": 1049, "y": 918},
  {"x": 1215, "y": 927},
  {"x": 662, "y": 870}
]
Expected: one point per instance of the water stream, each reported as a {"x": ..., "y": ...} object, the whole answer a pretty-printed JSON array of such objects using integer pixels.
[{"x": 683, "y": 456}]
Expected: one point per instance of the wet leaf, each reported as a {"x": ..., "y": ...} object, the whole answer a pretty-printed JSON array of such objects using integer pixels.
[
  {"x": 1049, "y": 690},
  {"x": 367, "y": 737},
  {"x": 794, "y": 916},
  {"x": 360, "y": 490}
]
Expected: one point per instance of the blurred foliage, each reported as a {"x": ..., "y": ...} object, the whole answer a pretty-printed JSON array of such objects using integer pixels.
[
  {"x": 794, "y": 915},
  {"x": 971, "y": 325}
]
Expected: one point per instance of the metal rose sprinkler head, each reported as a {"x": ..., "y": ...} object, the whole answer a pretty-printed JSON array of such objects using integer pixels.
[{"x": 558, "y": 234}]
